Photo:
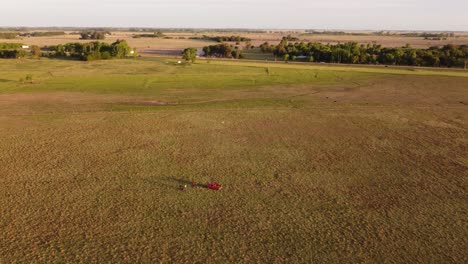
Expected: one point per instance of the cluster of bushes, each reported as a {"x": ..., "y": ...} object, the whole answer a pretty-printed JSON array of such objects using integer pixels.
[
  {"x": 290, "y": 38},
  {"x": 154, "y": 35},
  {"x": 15, "y": 51},
  {"x": 11, "y": 51},
  {"x": 223, "y": 38},
  {"x": 91, "y": 51},
  {"x": 8, "y": 35},
  {"x": 93, "y": 35},
  {"x": 267, "y": 47},
  {"x": 12, "y": 54},
  {"x": 222, "y": 51},
  {"x": 353, "y": 53},
  {"x": 43, "y": 34},
  {"x": 231, "y": 38},
  {"x": 7, "y": 46}
]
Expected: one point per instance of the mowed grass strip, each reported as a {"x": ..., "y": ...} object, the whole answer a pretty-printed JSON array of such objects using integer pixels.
[{"x": 150, "y": 77}]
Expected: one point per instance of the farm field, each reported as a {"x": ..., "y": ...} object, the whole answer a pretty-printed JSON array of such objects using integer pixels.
[
  {"x": 385, "y": 41},
  {"x": 318, "y": 163},
  {"x": 150, "y": 47}
]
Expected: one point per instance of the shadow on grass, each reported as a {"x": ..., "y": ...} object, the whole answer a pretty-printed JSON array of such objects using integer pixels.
[
  {"x": 180, "y": 182},
  {"x": 64, "y": 58}
]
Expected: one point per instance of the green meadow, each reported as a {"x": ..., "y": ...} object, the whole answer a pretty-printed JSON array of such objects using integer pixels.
[{"x": 318, "y": 163}]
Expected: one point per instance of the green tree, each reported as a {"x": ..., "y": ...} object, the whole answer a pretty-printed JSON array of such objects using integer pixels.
[
  {"x": 120, "y": 49},
  {"x": 190, "y": 54},
  {"x": 237, "y": 54}
]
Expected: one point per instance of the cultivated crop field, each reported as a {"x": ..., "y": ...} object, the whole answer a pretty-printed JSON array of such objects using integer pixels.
[{"x": 318, "y": 163}]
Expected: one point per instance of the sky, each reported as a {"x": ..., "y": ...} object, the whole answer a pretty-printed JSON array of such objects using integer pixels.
[{"x": 263, "y": 14}]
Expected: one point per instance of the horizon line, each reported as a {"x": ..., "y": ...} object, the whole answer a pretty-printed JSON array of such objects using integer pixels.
[{"x": 238, "y": 28}]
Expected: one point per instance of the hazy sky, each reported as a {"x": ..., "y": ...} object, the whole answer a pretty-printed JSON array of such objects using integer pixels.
[{"x": 301, "y": 14}]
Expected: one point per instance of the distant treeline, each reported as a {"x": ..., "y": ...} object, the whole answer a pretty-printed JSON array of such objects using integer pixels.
[
  {"x": 12, "y": 35},
  {"x": 43, "y": 34},
  {"x": 8, "y": 35},
  {"x": 131, "y": 29},
  {"x": 428, "y": 35},
  {"x": 223, "y": 38},
  {"x": 382, "y": 33},
  {"x": 290, "y": 38},
  {"x": 336, "y": 33},
  {"x": 94, "y": 34},
  {"x": 353, "y": 53},
  {"x": 91, "y": 51},
  {"x": 55, "y": 29},
  {"x": 222, "y": 51},
  {"x": 200, "y": 30},
  {"x": 154, "y": 35}
]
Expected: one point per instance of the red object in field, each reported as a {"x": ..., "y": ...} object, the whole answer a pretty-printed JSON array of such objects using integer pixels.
[{"x": 214, "y": 186}]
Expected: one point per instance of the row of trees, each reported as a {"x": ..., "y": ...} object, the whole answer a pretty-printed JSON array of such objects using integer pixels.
[
  {"x": 290, "y": 38},
  {"x": 223, "y": 50},
  {"x": 335, "y": 33},
  {"x": 93, "y": 35},
  {"x": 12, "y": 54},
  {"x": 83, "y": 51},
  {"x": 154, "y": 35},
  {"x": 428, "y": 35},
  {"x": 383, "y": 33},
  {"x": 231, "y": 38},
  {"x": 10, "y": 46},
  {"x": 16, "y": 51},
  {"x": 92, "y": 51},
  {"x": 11, "y": 51},
  {"x": 43, "y": 34},
  {"x": 353, "y": 53},
  {"x": 267, "y": 47},
  {"x": 223, "y": 38}
]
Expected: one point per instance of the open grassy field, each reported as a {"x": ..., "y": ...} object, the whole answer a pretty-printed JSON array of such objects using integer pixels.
[{"x": 318, "y": 163}]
